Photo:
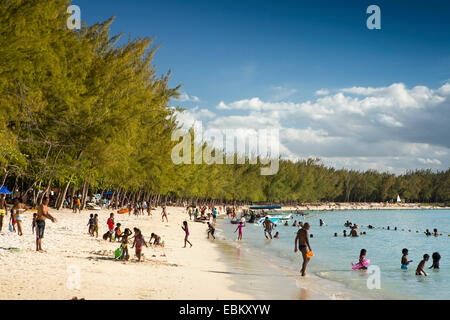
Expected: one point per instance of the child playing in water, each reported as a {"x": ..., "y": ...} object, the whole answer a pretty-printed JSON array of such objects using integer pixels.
[
  {"x": 436, "y": 257},
  {"x": 421, "y": 265},
  {"x": 118, "y": 232},
  {"x": 138, "y": 242},
  {"x": 211, "y": 230},
  {"x": 240, "y": 226},
  {"x": 186, "y": 230},
  {"x": 362, "y": 259},
  {"x": 277, "y": 235},
  {"x": 405, "y": 261}
]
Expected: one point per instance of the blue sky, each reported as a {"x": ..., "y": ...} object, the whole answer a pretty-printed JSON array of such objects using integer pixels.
[{"x": 284, "y": 51}]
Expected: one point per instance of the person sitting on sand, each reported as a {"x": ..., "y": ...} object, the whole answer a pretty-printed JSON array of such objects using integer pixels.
[
  {"x": 211, "y": 230},
  {"x": 186, "y": 231},
  {"x": 405, "y": 260},
  {"x": 421, "y": 265},
  {"x": 436, "y": 257},
  {"x": 138, "y": 242},
  {"x": 303, "y": 245}
]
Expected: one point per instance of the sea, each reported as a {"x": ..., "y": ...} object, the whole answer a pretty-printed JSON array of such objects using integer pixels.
[{"x": 270, "y": 269}]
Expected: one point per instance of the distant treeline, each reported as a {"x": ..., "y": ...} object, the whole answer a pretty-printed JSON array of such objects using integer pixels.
[{"x": 83, "y": 114}]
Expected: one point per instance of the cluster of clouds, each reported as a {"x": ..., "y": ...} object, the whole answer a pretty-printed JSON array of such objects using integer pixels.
[{"x": 390, "y": 128}]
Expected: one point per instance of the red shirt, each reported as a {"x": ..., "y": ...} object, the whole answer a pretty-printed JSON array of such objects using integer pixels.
[{"x": 110, "y": 224}]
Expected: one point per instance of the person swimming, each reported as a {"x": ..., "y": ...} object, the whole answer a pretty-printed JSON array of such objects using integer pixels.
[
  {"x": 345, "y": 233},
  {"x": 404, "y": 261},
  {"x": 427, "y": 233}
]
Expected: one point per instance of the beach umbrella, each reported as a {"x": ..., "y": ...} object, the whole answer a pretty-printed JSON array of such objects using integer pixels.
[{"x": 5, "y": 190}]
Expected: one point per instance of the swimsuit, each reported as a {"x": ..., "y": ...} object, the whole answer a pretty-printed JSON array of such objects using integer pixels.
[
  {"x": 404, "y": 267},
  {"x": 302, "y": 246},
  {"x": 40, "y": 227}
]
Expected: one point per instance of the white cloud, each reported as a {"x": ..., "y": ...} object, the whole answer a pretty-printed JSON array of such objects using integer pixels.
[
  {"x": 184, "y": 97},
  {"x": 322, "y": 92},
  {"x": 385, "y": 128},
  {"x": 282, "y": 93}
]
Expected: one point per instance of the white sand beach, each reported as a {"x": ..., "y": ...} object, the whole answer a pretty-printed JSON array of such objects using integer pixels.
[{"x": 172, "y": 272}]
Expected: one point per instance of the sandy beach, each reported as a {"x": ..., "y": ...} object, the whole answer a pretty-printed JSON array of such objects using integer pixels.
[{"x": 171, "y": 272}]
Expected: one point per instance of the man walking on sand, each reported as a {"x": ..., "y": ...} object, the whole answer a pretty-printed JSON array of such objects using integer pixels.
[
  {"x": 303, "y": 245},
  {"x": 42, "y": 214}
]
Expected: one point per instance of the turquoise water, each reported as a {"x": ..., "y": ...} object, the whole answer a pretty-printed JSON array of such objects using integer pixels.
[{"x": 330, "y": 268}]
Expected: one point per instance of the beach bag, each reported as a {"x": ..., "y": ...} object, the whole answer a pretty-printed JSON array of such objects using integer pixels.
[{"x": 118, "y": 253}]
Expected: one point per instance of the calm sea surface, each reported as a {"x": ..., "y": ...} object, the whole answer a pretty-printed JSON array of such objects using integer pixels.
[{"x": 270, "y": 269}]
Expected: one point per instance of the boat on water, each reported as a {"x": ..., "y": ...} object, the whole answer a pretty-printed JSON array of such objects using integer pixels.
[{"x": 274, "y": 219}]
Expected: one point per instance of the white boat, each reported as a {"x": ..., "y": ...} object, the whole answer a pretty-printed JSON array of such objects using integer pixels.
[{"x": 274, "y": 219}]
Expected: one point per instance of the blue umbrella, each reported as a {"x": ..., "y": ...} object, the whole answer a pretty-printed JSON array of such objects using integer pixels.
[{"x": 5, "y": 190}]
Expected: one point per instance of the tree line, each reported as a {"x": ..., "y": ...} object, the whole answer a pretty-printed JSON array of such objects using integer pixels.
[{"x": 84, "y": 112}]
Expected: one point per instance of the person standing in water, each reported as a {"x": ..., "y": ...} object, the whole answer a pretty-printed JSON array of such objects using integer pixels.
[
  {"x": 302, "y": 243},
  {"x": 240, "y": 226},
  {"x": 268, "y": 226},
  {"x": 405, "y": 260},
  {"x": 421, "y": 265},
  {"x": 42, "y": 215},
  {"x": 3, "y": 210}
]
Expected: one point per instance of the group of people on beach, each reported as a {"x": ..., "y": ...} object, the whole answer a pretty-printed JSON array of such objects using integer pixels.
[
  {"x": 18, "y": 210},
  {"x": 115, "y": 233}
]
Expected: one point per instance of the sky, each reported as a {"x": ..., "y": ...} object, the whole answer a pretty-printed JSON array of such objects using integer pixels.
[{"x": 354, "y": 97}]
